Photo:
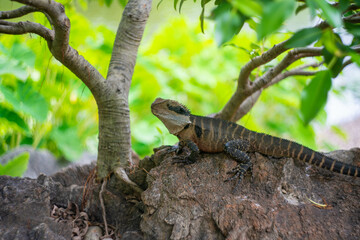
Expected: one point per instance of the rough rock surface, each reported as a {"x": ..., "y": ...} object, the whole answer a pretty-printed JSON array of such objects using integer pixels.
[
  {"x": 26, "y": 205},
  {"x": 194, "y": 202}
]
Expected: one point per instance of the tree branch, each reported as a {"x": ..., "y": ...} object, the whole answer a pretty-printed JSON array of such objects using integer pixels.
[
  {"x": 294, "y": 72},
  {"x": 114, "y": 117},
  {"x": 266, "y": 57},
  {"x": 57, "y": 39},
  {"x": 127, "y": 41},
  {"x": 291, "y": 57},
  {"x": 247, "y": 105},
  {"x": 26, "y": 27},
  {"x": 17, "y": 12}
]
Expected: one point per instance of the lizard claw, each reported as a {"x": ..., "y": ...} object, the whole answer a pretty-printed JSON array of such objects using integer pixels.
[{"x": 239, "y": 173}]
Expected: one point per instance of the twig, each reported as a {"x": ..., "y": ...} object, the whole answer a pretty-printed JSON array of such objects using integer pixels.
[{"x": 293, "y": 72}]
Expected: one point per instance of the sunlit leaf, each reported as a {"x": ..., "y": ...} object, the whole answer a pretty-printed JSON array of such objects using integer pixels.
[
  {"x": 333, "y": 63},
  {"x": 16, "y": 60},
  {"x": 68, "y": 142},
  {"x": 203, "y": 3},
  {"x": 124, "y": 2},
  {"x": 26, "y": 99},
  {"x": 355, "y": 57},
  {"x": 331, "y": 14},
  {"x": 338, "y": 131},
  {"x": 304, "y": 37},
  {"x": 227, "y": 23},
  {"x": 248, "y": 8},
  {"x": 108, "y": 2},
  {"x": 300, "y": 8},
  {"x": 15, "y": 167},
  {"x": 343, "y": 5},
  {"x": 274, "y": 14},
  {"x": 13, "y": 117},
  {"x": 314, "y": 95},
  {"x": 353, "y": 28},
  {"x": 175, "y": 3}
]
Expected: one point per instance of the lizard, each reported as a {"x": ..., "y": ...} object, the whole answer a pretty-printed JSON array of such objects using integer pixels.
[{"x": 214, "y": 135}]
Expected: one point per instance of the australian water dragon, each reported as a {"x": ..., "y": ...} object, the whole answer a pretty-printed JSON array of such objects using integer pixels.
[{"x": 214, "y": 135}]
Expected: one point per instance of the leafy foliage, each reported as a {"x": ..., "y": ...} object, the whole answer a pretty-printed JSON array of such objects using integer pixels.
[
  {"x": 43, "y": 104},
  {"x": 15, "y": 167},
  {"x": 315, "y": 94}
]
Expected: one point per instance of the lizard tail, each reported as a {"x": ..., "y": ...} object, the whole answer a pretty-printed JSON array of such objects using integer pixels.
[
  {"x": 318, "y": 159},
  {"x": 279, "y": 147}
]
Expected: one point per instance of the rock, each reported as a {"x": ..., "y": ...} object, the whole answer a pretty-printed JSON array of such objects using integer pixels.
[
  {"x": 194, "y": 202},
  {"x": 26, "y": 205},
  {"x": 282, "y": 199},
  {"x": 93, "y": 233}
]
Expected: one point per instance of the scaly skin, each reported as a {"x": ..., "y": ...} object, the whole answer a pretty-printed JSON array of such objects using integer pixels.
[{"x": 215, "y": 135}]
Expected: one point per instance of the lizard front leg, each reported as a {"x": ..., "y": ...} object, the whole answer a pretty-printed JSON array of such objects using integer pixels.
[
  {"x": 187, "y": 158},
  {"x": 237, "y": 149}
]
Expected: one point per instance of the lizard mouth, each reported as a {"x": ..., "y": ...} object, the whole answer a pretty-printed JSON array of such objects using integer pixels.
[{"x": 156, "y": 103}]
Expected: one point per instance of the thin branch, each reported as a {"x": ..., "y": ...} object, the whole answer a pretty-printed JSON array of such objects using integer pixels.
[
  {"x": 242, "y": 90},
  {"x": 266, "y": 57},
  {"x": 346, "y": 63},
  {"x": 26, "y": 27},
  {"x": 19, "y": 12},
  {"x": 294, "y": 72},
  {"x": 58, "y": 39},
  {"x": 291, "y": 57}
]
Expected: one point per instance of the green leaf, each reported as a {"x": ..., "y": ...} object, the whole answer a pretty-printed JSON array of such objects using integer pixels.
[
  {"x": 355, "y": 57},
  {"x": 304, "y": 37},
  {"x": 124, "y": 2},
  {"x": 300, "y": 8},
  {"x": 12, "y": 116},
  {"x": 353, "y": 28},
  {"x": 275, "y": 13},
  {"x": 331, "y": 14},
  {"x": 175, "y": 3},
  {"x": 180, "y": 6},
  {"x": 108, "y": 2},
  {"x": 203, "y": 3},
  {"x": 16, "y": 60},
  {"x": 312, "y": 7},
  {"x": 343, "y": 5},
  {"x": 16, "y": 167},
  {"x": 314, "y": 96},
  {"x": 202, "y": 20},
  {"x": 227, "y": 23},
  {"x": 68, "y": 142},
  {"x": 248, "y": 8},
  {"x": 26, "y": 100},
  {"x": 333, "y": 63},
  {"x": 23, "y": 54}
]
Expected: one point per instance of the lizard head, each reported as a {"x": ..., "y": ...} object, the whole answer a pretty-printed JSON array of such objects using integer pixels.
[{"x": 174, "y": 115}]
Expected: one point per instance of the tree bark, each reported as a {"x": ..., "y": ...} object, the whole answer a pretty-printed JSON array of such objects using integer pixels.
[{"x": 114, "y": 118}]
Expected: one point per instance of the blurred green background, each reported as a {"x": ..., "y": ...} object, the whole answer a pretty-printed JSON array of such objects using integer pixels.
[{"x": 44, "y": 105}]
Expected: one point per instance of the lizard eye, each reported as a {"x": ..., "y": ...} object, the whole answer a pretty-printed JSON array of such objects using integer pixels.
[{"x": 179, "y": 109}]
